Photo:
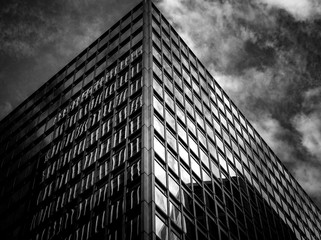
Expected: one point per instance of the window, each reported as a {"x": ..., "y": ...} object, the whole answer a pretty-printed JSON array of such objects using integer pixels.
[
  {"x": 90, "y": 158},
  {"x": 134, "y": 147},
  {"x": 169, "y": 101},
  {"x": 106, "y": 127},
  {"x": 173, "y": 187},
  {"x": 135, "y": 124},
  {"x": 157, "y": 55},
  {"x": 219, "y": 143},
  {"x": 133, "y": 171},
  {"x": 110, "y": 90},
  {"x": 183, "y": 154},
  {"x": 170, "y": 119},
  {"x": 161, "y": 229},
  {"x": 120, "y": 136},
  {"x": 160, "y": 173},
  {"x": 104, "y": 147},
  {"x": 108, "y": 107},
  {"x": 193, "y": 145},
  {"x": 95, "y": 118},
  {"x": 103, "y": 170},
  {"x": 121, "y": 115},
  {"x": 137, "y": 84},
  {"x": 159, "y": 148},
  {"x": 158, "y": 106},
  {"x": 123, "y": 79},
  {"x": 118, "y": 158},
  {"x": 195, "y": 167},
  {"x": 181, "y": 132},
  {"x": 172, "y": 162},
  {"x": 81, "y": 128},
  {"x": 136, "y": 69},
  {"x": 93, "y": 137},
  {"x": 117, "y": 184},
  {"x": 158, "y": 88},
  {"x": 175, "y": 214},
  {"x": 159, "y": 127},
  {"x": 160, "y": 200},
  {"x": 171, "y": 140},
  {"x": 116, "y": 210},
  {"x": 121, "y": 97},
  {"x": 133, "y": 198},
  {"x": 135, "y": 104}
]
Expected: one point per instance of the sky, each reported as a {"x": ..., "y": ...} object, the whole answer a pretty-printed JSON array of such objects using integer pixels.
[{"x": 266, "y": 54}]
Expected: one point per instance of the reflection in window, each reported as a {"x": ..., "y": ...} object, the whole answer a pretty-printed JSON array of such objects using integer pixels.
[
  {"x": 181, "y": 132},
  {"x": 159, "y": 148},
  {"x": 195, "y": 167},
  {"x": 158, "y": 106},
  {"x": 219, "y": 143},
  {"x": 191, "y": 126},
  {"x": 222, "y": 162},
  {"x": 193, "y": 145},
  {"x": 183, "y": 154},
  {"x": 171, "y": 140},
  {"x": 134, "y": 147},
  {"x": 133, "y": 198},
  {"x": 160, "y": 173},
  {"x": 159, "y": 127},
  {"x": 116, "y": 210},
  {"x": 170, "y": 119},
  {"x": 135, "y": 104},
  {"x": 204, "y": 158},
  {"x": 135, "y": 85},
  {"x": 160, "y": 200},
  {"x": 158, "y": 88},
  {"x": 173, "y": 187},
  {"x": 117, "y": 184},
  {"x": 134, "y": 124},
  {"x": 118, "y": 158},
  {"x": 175, "y": 214},
  {"x": 185, "y": 177},
  {"x": 215, "y": 170},
  {"x": 172, "y": 162},
  {"x": 133, "y": 171},
  {"x": 120, "y": 135},
  {"x": 161, "y": 229},
  {"x": 169, "y": 101}
]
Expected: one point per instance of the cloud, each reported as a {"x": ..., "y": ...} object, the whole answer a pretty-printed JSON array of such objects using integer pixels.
[
  {"x": 300, "y": 9},
  {"x": 308, "y": 122},
  {"x": 309, "y": 126},
  {"x": 309, "y": 177}
]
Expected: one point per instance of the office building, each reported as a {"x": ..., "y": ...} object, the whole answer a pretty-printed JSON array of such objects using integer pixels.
[{"x": 134, "y": 139}]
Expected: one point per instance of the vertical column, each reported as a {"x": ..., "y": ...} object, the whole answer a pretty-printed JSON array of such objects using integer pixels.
[{"x": 147, "y": 148}]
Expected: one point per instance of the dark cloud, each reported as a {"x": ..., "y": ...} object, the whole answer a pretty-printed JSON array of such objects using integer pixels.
[
  {"x": 39, "y": 37},
  {"x": 266, "y": 55}
]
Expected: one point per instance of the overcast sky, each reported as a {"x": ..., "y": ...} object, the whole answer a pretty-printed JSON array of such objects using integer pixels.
[{"x": 266, "y": 54}]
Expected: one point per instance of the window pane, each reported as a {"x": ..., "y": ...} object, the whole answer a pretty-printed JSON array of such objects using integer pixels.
[
  {"x": 160, "y": 173},
  {"x": 183, "y": 154},
  {"x": 160, "y": 200},
  {"x": 161, "y": 229},
  {"x": 159, "y": 127},
  {"x": 175, "y": 214},
  {"x": 159, "y": 148},
  {"x": 171, "y": 140},
  {"x": 173, "y": 187},
  {"x": 172, "y": 162}
]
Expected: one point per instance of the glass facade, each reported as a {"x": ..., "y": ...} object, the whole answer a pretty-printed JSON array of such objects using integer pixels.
[{"x": 134, "y": 139}]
